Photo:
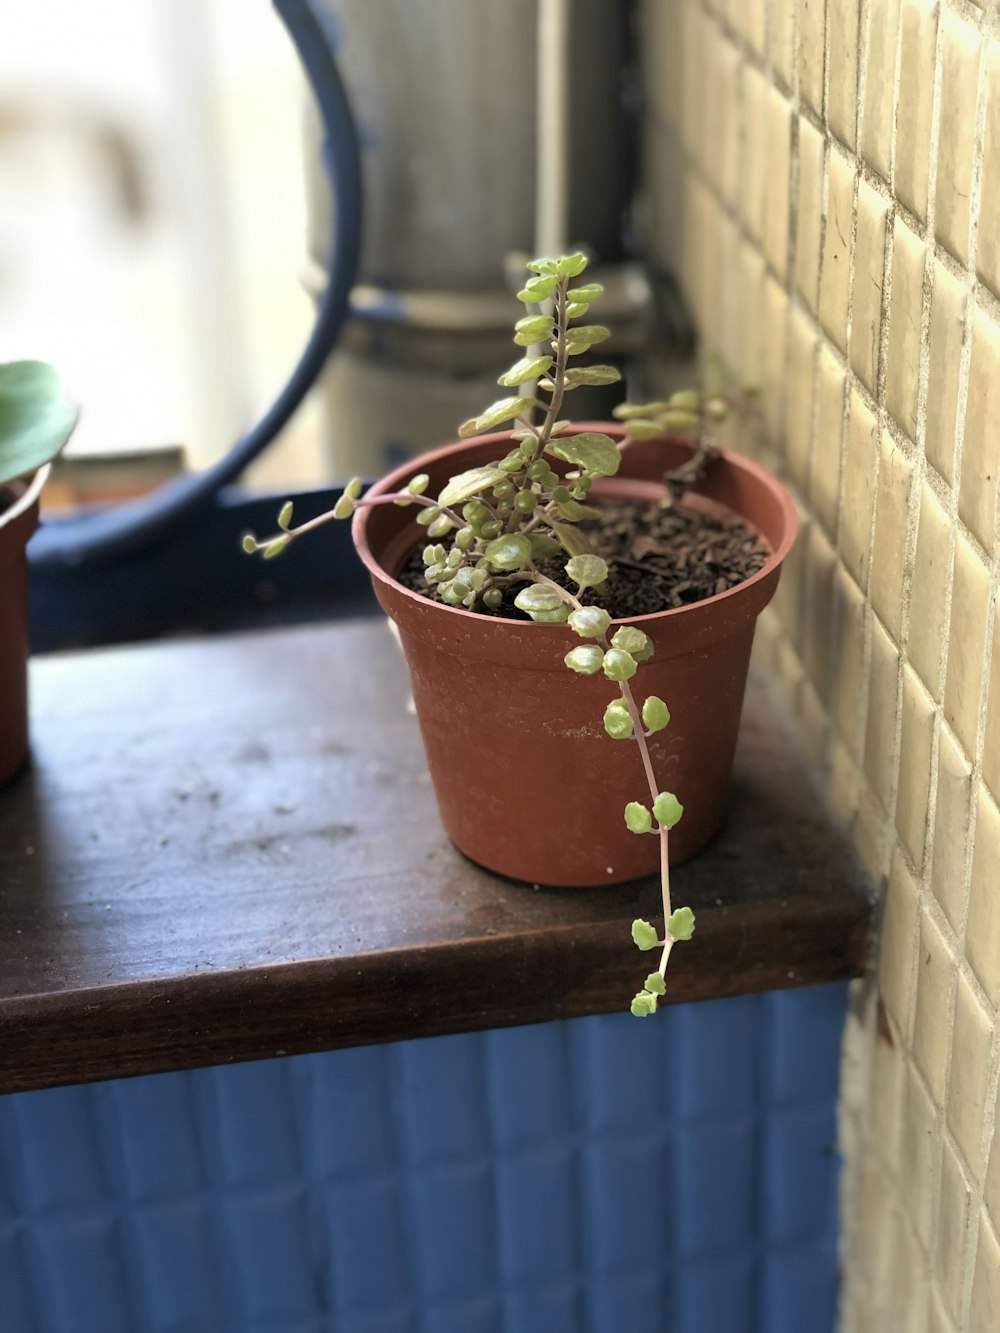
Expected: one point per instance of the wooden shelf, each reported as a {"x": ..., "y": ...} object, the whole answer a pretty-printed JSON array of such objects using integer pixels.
[{"x": 227, "y": 848}]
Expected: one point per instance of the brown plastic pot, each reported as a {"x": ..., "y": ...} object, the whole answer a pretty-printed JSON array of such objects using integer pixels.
[
  {"x": 17, "y": 522},
  {"x": 528, "y": 784}
]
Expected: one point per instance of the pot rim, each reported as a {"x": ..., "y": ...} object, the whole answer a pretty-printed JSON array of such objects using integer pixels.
[
  {"x": 30, "y": 496},
  {"x": 399, "y": 476}
]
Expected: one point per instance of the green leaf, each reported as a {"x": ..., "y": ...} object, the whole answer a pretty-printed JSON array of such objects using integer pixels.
[
  {"x": 591, "y": 450},
  {"x": 632, "y": 411},
  {"x": 590, "y": 622},
  {"x": 643, "y": 935},
  {"x": 634, "y": 642},
  {"x": 667, "y": 809},
  {"x": 639, "y": 820},
  {"x": 541, "y": 265},
  {"x": 533, "y": 329},
  {"x": 467, "y": 485},
  {"x": 584, "y": 336},
  {"x": 677, "y": 420},
  {"x": 285, "y": 515},
  {"x": 559, "y": 616},
  {"x": 354, "y": 487},
  {"x": 619, "y": 665},
  {"x": 587, "y": 570},
  {"x": 655, "y": 984},
  {"x": 586, "y": 659},
  {"x": 681, "y": 923},
  {"x": 641, "y": 429},
  {"x": 590, "y": 291},
  {"x": 543, "y": 547},
  {"x": 275, "y": 548},
  {"x": 538, "y": 289},
  {"x": 504, "y": 409},
  {"x": 537, "y": 596},
  {"x": 571, "y": 266},
  {"x": 571, "y": 539},
  {"x": 440, "y": 527},
  {"x": 655, "y": 713},
  {"x": 418, "y": 484},
  {"x": 576, "y": 309},
  {"x": 591, "y": 375},
  {"x": 643, "y": 1004},
  {"x": 35, "y": 423},
  {"x": 250, "y": 543},
  {"x": 576, "y": 513},
  {"x": 344, "y": 507},
  {"x": 528, "y": 368},
  {"x": 688, "y": 400},
  {"x": 618, "y": 720},
  {"x": 510, "y": 551}
]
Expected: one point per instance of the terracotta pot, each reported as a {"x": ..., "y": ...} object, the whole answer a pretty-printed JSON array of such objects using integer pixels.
[
  {"x": 17, "y": 522},
  {"x": 527, "y": 782}
]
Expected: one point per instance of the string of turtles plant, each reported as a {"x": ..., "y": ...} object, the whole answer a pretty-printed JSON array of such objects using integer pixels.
[{"x": 490, "y": 526}]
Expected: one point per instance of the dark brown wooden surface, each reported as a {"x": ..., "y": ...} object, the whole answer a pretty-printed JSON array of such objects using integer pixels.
[{"x": 228, "y": 848}]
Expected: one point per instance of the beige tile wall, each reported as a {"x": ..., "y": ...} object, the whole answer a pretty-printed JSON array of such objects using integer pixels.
[{"x": 824, "y": 177}]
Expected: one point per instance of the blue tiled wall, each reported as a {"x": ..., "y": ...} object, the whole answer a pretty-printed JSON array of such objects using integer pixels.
[{"x": 672, "y": 1175}]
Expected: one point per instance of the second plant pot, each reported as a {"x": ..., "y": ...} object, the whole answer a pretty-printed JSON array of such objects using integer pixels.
[
  {"x": 527, "y": 781},
  {"x": 18, "y": 520}
]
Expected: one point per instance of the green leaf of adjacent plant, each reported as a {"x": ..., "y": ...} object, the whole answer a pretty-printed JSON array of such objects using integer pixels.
[
  {"x": 586, "y": 659},
  {"x": 633, "y": 411},
  {"x": 35, "y": 423},
  {"x": 576, "y": 512},
  {"x": 681, "y": 923},
  {"x": 678, "y": 420},
  {"x": 655, "y": 984},
  {"x": 643, "y": 1004},
  {"x": 536, "y": 596},
  {"x": 632, "y": 641},
  {"x": 504, "y": 409},
  {"x": 538, "y": 289},
  {"x": 467, "y": 485},
  {"x": 590, "y": 622},
  {"x": 250, "y": 543},
  {"x": 584, "y": 336},
  {"x": 588, "y": 292},
  {"x": 510, "y": 551},
  {"x": 541, "y": 265},
  {"x": 533, "y": 329},
  {"x": 543, "y": 547},
  {"x": 638, "y": 820},
  {"x": 590, "y": 450},
  {"x": 619, "y": 665},
  {"x": 285, "y": 515},
  {"x": 688, "y": 400},
  {"x": 655, "y": 713},
  {"x": 355, "y": 486},
  {"x": 591, "y": 375},
  {"x": 528, "y": 368},
  {"x": 641, "y": 429},
  {"x": 618, "y": 720},
  {"x": 571, "y": 539},
  {"x": 571, "y": 266},
  {"x": 275, "y": 548},
  {"x": 418, "y": 484},
  {"x": 587, "y": 570},
  {"x": 643, "y": 935},
  {"x": 667, "y": 809},
  {"x": 344, "y": 507}
]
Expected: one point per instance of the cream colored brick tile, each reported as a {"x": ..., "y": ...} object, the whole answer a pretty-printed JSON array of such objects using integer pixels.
[
  {"x": 749, "y": 364},
  {"x": 918, "y": 35},
  {"x": 913, "y": 797},
  {"x": 951, "y": 827},
  {"x": 947, "y": 329},
  {"x": 801, "y": 392},
  {"x": 779, "y": 149},
  {"x": 748, "y": 17},
  {"x": 814, "y": 724},
  {"x": 723, "y": 113},
  {"x": 991, "y": 743},
  {"x": 871, "y": 835},
  {"x": 888, "y": 1075},
  {"x": 810, "y": 213},
  {"x": 903, "y": 356},
  {"x": 861, "y": 451},
  {"x": 821, "y": 562},
  {"x": 812, "y": 47},
  {"x": 791, "y": 674},
  {"x": 892, "y": 502},
  {"x": 842, "y": 58},
  {"x": 843, "y": 779},
  {"x": 869, "y": 259},
  {"x": 788, "y": 598},
  {"x": 880, "y": 740},
  {"x": 896, "y": 956},
  {"x": 982, "y": 932},
  {"x": 988, "y": 241},
  {"x": 834, "y": 283},
  {"x": 850, "y": 666},
  {"x": 919, "y": 1142},
  {"x": 936, "y": 974},
  {"x": 966, "y": 643},
  {"x": 977, "y": 499},
  {"x": 774, "y": 371},
  {"x": 729, "y": 334},
  {"x": 879, "y": 107},
  {"x": 873, "y": 1220},
  {"x": 907, "y": 1282},
  {"x": 937, "y": 1320},
  {"x": 825, "y": 480},
  {"x": 970, "y": 1059},
  {"x": 931, "y": 579},
  {"x": 991, "y": 1196},
  {"x": 954, "y": 1215},
  {"x": 960, "y": 55},
  {"x": 783, "y": 42},
  {"x": 694, "y": 84},
  {"x": 984, "y": 1313},
  {"x": 756, "y": 181}
]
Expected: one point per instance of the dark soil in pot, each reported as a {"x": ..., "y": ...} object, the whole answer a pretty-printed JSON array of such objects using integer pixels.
[{"x": 659, "y": 559}]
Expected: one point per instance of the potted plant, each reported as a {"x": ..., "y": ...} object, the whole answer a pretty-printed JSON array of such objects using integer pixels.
[
  {"x": 634, "y": 554},
  {"x": 35, "y": 424}
]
